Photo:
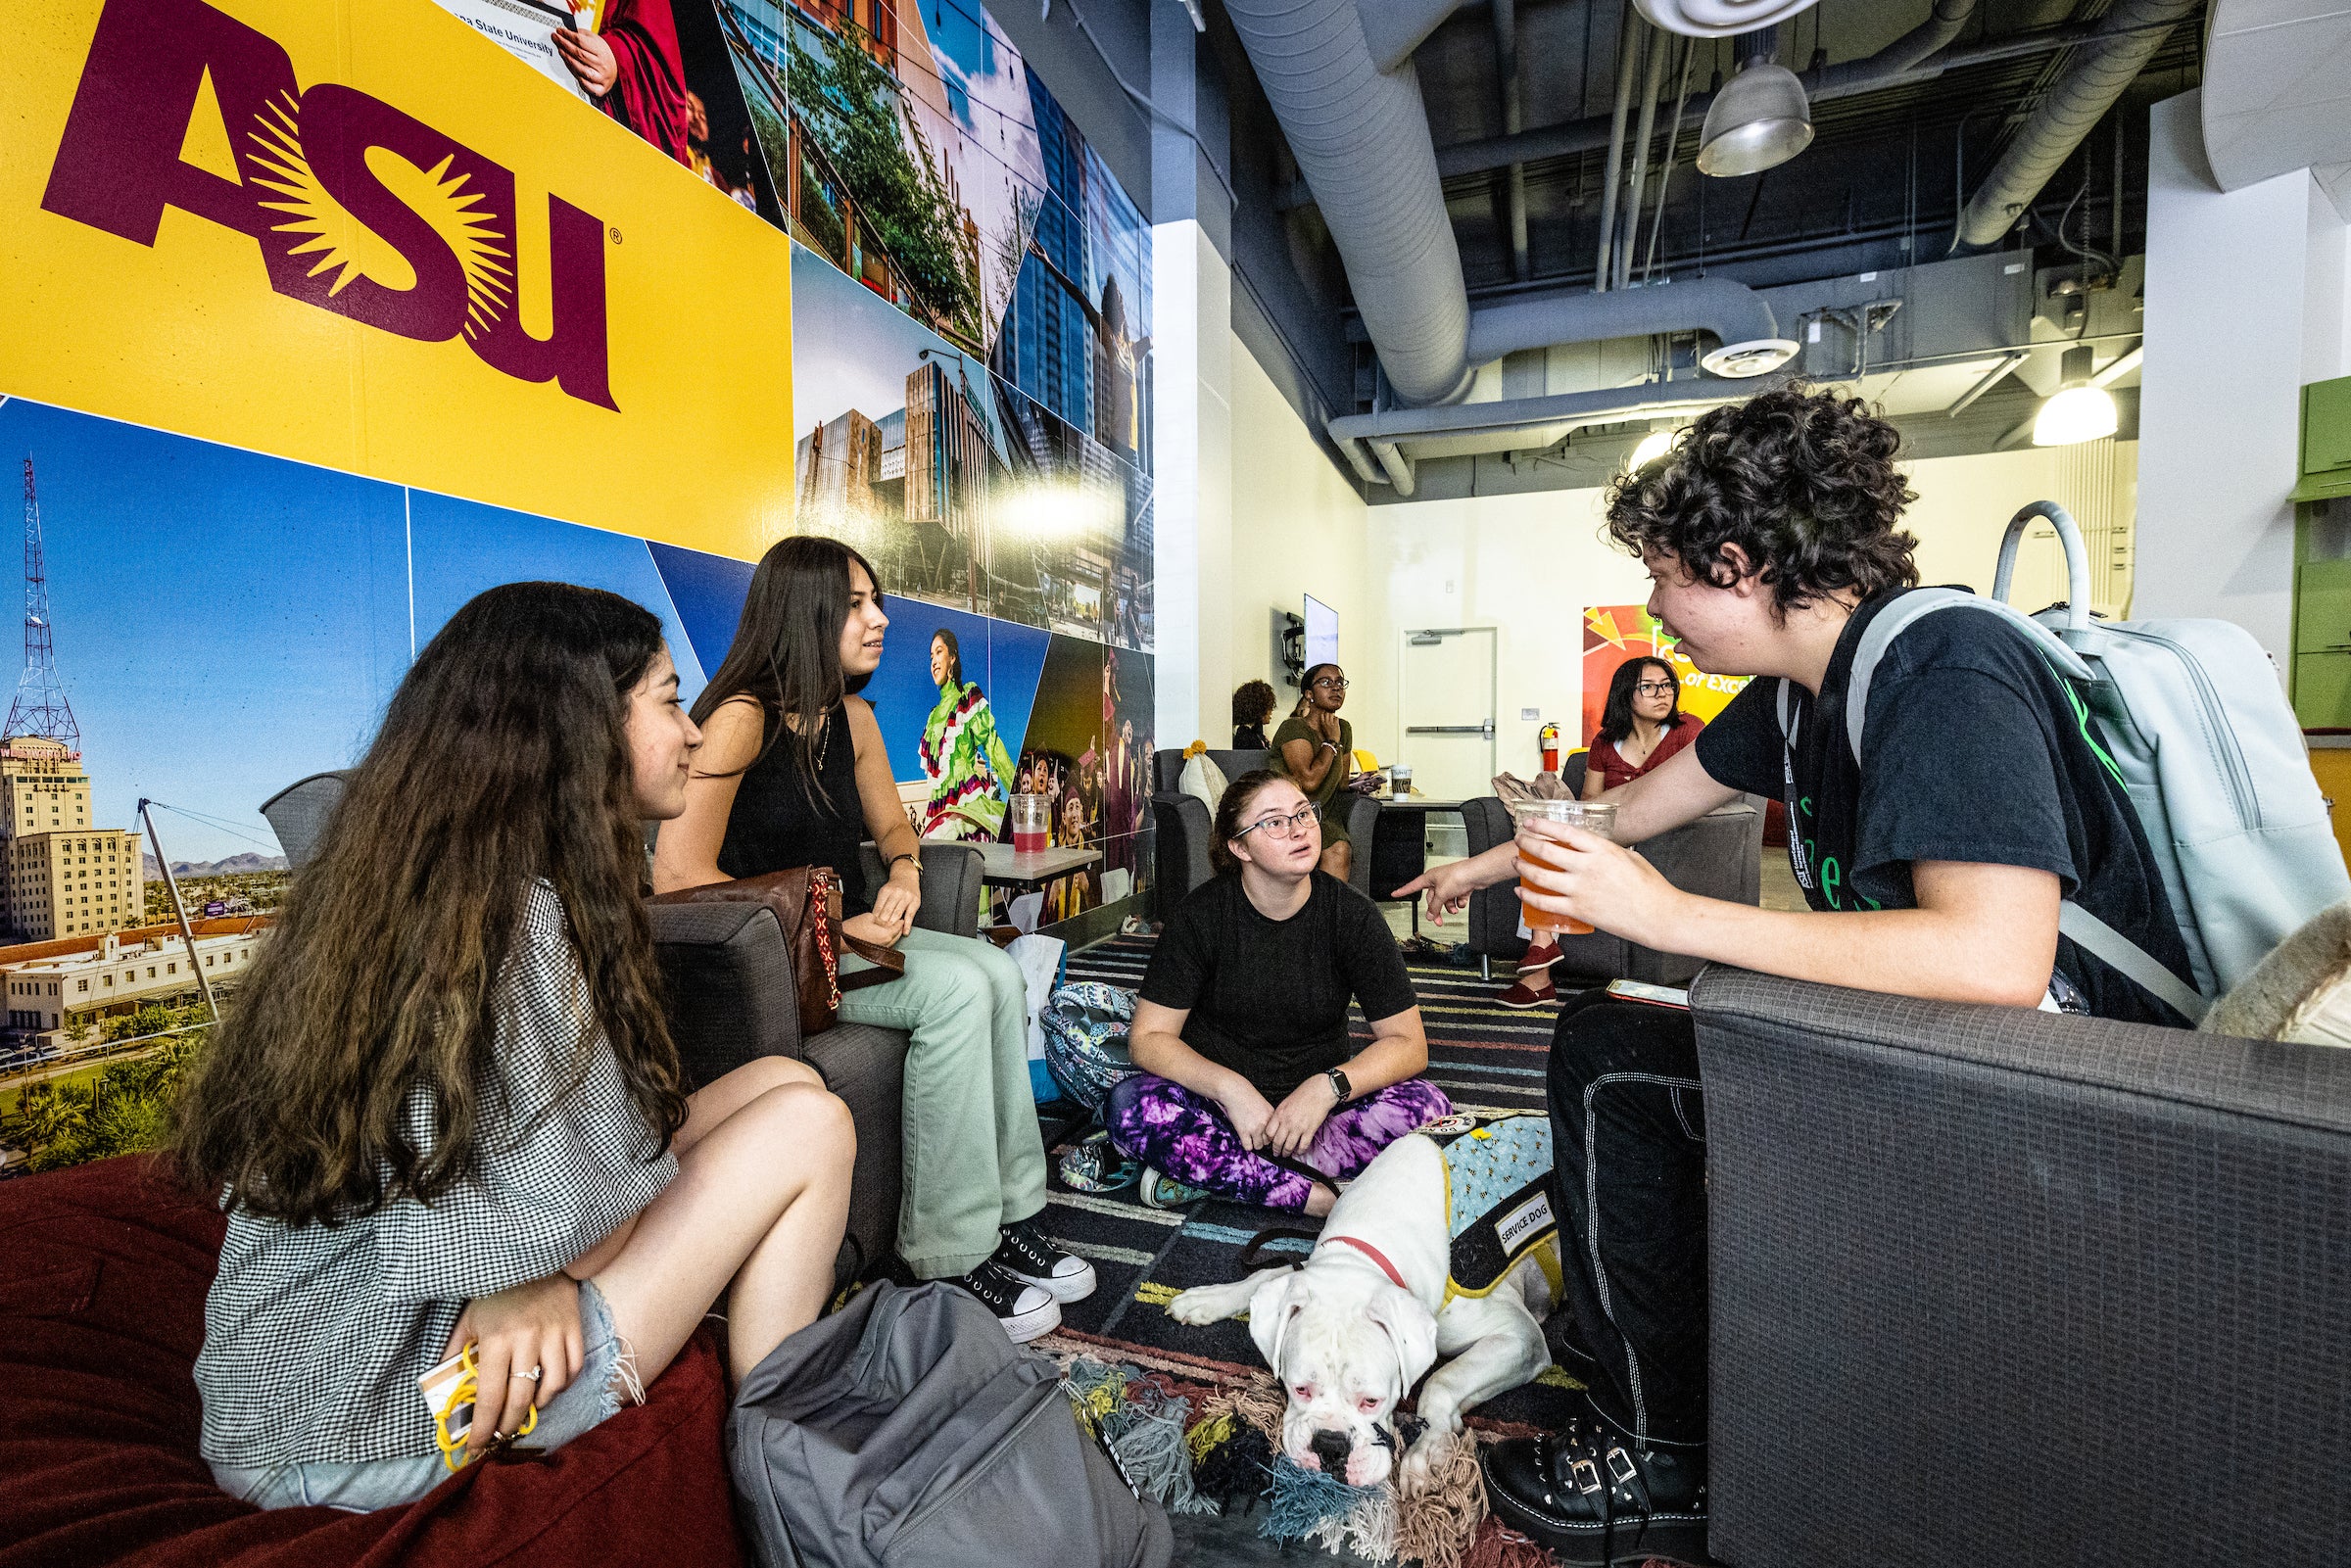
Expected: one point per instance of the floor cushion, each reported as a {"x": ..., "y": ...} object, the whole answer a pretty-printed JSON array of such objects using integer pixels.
[{"x": 101, "y": 1315}]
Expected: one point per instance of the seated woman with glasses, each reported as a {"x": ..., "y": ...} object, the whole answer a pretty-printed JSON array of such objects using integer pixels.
[
  {"x": 1250, "y": 1089},
  {"x": 1316, "y": 750},
  {"x": 1641, "y": 725}
]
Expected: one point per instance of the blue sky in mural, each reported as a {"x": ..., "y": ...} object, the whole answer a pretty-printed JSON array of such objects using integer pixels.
[
  {"x": 463, "y": 547},
  {"x": 709, "y": 592},
  {"x": 224, "y": 623},
  {"x": 853, "y": 349}
]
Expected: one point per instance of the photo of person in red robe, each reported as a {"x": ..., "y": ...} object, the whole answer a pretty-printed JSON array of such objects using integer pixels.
[{"x": 631, "y": 70}]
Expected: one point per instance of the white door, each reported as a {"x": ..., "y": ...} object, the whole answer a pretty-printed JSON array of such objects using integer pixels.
[{"x": 1447, "y": 710}]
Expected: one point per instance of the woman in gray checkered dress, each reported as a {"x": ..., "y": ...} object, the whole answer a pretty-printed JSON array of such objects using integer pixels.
[{"x": 445, "y": 1110}]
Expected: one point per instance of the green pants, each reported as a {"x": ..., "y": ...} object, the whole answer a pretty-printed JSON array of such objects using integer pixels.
[{"x": 974, "y": 1159}]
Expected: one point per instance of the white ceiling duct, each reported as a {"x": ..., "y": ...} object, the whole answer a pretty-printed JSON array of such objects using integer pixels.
[
  {"x": 1719, "y": 18},
  {"x": 2272, "y": 92}
]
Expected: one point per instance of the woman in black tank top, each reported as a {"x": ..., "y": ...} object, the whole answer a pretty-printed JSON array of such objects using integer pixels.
[
  {"x": 793, "y": 772},
  {"x": 779, "y": 820}
]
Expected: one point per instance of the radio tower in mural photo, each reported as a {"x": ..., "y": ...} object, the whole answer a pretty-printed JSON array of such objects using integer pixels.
[
  {"x": 66, "y": 876},
  {"x": 40, "y": 708}
]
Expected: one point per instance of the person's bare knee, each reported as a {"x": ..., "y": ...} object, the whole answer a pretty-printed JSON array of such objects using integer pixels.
[
  {"x": 762, "y": 1073},
  {"x": 810, "y": 1118}
]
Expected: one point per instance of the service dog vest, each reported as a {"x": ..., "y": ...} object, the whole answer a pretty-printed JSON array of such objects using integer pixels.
[{"x": 1497, "y": 1197}]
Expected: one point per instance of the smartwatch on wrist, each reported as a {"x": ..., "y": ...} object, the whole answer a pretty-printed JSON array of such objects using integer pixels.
[{"x": 1339, "y": 1085}]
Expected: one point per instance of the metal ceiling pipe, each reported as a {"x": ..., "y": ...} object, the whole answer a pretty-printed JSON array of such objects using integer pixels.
[
  {"x": 1654, "y": 84},
  {"x": 1625, "y": 35},
  {"x": 1511, "y": 425},
  {"x": 1514, "y": 120},
  {"x": 1394, "y": 28},
  {"x": 1362, "y": 141},
  {"x": 2118, "y": 49},
  {"x": 1941, "y": 25},
  {"x": 1730, "y": 311},
  {"x": 1848, "y": 81}
]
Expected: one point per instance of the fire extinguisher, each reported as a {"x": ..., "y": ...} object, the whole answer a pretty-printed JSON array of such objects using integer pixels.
[{"x": 1551, "y": 748}]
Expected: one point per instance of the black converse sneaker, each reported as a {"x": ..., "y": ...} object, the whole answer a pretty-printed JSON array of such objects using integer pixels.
[
  {"x": 1028, "y": 1254},
  {"x": 1025, "y": 1310}
]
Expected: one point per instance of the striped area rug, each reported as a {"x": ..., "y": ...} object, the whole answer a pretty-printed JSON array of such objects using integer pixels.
[{"x": 1484, "y": 1057}]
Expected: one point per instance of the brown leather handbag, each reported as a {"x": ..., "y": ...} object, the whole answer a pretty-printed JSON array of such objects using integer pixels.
[{"x": 807, "y": 900}]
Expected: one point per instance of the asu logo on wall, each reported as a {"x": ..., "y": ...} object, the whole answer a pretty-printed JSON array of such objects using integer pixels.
[{"x": 284, "y": 224}]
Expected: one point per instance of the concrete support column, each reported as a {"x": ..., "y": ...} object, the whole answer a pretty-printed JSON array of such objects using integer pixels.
[
  {"x": 1191, "y": 297},
  {"x": 1191, "y": 310},
  {"x": 2244, "y": 304}
]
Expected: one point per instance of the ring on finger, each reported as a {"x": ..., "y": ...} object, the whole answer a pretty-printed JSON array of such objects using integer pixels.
[{"x": 531, "y": 1376}]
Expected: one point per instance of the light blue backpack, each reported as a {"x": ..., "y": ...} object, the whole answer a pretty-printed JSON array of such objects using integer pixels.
[{"x": 2197, "y": 728}]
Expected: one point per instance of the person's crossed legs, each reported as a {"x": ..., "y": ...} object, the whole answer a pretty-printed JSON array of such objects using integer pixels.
[{"x": 1184, "y": 1135}]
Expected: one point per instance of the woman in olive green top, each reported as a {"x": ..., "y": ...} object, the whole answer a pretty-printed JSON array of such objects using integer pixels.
[{"x": 1316, "y": 750}]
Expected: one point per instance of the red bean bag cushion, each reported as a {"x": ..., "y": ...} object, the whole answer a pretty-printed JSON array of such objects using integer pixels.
[{"x": 101, "y": 1314}]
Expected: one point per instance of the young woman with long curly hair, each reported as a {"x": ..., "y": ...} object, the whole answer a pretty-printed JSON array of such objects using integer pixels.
[{"x": 445, "y": 1110}]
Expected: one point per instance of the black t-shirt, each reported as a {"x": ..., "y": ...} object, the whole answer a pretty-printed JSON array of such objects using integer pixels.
[
  {"x": 1268, "y": 998},
  {"x": 1973, "y": 751}
]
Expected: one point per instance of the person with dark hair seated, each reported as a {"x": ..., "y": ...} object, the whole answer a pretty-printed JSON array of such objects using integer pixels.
[
  {"x": 1934, "y": 867},
  {"x": 1251, "y": 1089},
  {"x": 1315, "y": 749},
  {"x": 1252, "y": 706},
  {"x": 445, "y": 1114},
  {"x": 1641, "y": 725},
  {"x": 796, "y": 773}
]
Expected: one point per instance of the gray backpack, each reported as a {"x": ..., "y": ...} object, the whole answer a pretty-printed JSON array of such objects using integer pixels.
[
  {"x": 906, "y": 1431},
  {"x": 2197, "y": 729}
]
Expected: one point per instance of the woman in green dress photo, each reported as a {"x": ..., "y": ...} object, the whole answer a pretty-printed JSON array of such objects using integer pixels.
[{"x": 962, "y": 755}]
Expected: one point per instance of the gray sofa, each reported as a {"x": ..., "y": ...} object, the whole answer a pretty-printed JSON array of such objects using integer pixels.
[
  {"x": 1997, "y": 1286},
  {"x": 1185, "y": 826},
  {"x": 732, "y": 996},
  {"x": 1720, "y": 855}
]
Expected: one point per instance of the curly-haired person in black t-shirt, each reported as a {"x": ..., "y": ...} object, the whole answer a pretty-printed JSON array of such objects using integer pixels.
[{"x": 1934, "y": 867}]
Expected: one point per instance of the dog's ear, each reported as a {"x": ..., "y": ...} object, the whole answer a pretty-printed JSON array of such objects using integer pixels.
[
  {"x": 1269, "y": 1312},
  {"x": 1412, "y": 1328}
]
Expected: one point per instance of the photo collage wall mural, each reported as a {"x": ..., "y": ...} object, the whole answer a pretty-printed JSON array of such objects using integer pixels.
[{"x": 345, "y": 323}]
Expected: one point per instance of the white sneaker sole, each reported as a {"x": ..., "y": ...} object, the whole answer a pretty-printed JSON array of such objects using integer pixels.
[
  {"x": 1067, "y": 1288},
  {"x": 1022, "y": 1327}
]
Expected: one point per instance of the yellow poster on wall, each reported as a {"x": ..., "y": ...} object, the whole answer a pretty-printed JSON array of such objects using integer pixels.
[
  {"x": 359, "y": 235},
  {"x": 1616, "y": 634}
]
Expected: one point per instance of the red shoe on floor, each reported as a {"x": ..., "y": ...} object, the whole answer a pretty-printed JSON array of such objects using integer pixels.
[{"x": 1523, "y": 995}]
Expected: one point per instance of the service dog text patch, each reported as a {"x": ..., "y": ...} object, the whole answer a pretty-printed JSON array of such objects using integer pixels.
[{"x": 1497, "y": 1195}]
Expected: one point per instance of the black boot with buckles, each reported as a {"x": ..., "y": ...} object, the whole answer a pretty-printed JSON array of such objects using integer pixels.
[{"x": 1596, "y": 1497}]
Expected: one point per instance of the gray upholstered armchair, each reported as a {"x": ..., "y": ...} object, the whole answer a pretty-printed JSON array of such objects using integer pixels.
[
  {"x": 1720, "y": 855},
  {"x": 1991, "y": 1285},
  {"x": 1185, "y": 826}
]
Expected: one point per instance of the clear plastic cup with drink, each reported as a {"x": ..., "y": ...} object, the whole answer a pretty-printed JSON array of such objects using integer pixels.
[
  {"x": 1029, "y": 816},
  {"x": 1593, "y": 816}
]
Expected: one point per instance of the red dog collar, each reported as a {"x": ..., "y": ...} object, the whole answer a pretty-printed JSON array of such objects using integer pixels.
[{"x": 1372, "y": 1252}]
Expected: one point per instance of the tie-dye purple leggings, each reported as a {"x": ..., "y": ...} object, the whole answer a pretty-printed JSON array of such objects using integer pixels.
[{"x": 1186, "y": 1137}]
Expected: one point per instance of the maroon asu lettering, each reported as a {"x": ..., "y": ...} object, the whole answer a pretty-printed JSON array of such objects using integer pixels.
[{"x": 299, "y": 155}]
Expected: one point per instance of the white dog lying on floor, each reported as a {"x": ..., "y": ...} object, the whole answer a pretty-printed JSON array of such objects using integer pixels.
[{"x": 1444, "y": 1246}]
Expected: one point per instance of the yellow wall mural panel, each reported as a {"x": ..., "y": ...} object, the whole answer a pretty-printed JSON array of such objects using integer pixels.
[{"x": 293, "y": 225}]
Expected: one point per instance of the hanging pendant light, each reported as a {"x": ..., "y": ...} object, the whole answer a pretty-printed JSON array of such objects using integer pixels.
[
  {"x": 2078, "y": 411},
  {"x": 1761, "y": 117}
]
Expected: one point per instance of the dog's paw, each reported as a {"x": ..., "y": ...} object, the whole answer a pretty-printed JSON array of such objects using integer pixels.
[
  {"x": 1203, "y": 1304},
  {"x": 1429, "y": 1453}
]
